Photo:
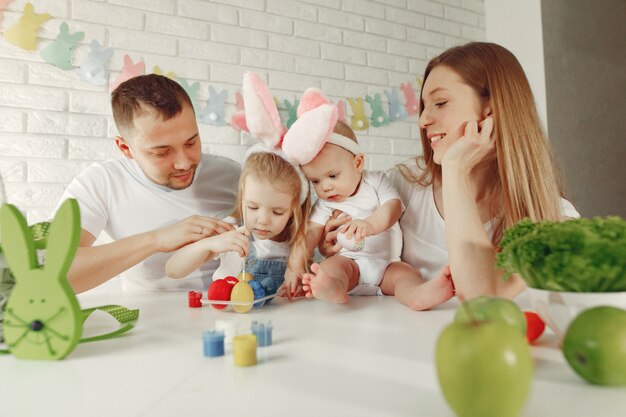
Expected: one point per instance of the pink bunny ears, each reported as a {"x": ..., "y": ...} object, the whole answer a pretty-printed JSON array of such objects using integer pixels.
[
  {"x": 317, "y": 118},
  {"x": 260, "y": 117}
]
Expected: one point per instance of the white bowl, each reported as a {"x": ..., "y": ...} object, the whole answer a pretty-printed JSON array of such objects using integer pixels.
[{"x": 558, "y": 308}]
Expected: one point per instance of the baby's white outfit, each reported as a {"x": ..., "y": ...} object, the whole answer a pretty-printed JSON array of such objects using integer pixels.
[{"x": 378, "y": 251}]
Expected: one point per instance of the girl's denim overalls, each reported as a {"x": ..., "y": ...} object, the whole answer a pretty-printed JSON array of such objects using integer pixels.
[{"x": 269, "y": 273}]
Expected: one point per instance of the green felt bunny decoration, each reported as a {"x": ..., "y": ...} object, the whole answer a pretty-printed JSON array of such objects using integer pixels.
[{"x": 43, "y": 319}]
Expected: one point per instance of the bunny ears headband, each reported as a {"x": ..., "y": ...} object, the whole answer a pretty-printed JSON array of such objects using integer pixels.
[
  {"x": 317, "y": 117},
  {"x": 260, "y": 117}
]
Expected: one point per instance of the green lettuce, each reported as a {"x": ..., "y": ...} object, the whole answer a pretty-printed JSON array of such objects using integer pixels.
[{"x": 581, "y": 255}]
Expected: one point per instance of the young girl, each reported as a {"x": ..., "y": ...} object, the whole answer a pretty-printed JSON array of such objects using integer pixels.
[{"x": 272, "y": 208}]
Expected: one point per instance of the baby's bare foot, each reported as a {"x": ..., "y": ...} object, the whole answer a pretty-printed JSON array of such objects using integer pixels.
[
  {"x": 323, "y": 286},
  {"x": 432, "y": 293}
]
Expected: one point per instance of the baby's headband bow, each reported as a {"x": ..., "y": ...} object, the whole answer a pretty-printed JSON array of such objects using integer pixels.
[
  {"x": 317, "y": 118},
  {"x": 260, "y": 117}
]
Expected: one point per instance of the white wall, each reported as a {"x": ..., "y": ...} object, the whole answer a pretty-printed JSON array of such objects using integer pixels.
[
  {"x": 53, "y": 124},
  {"x": 516, "y": 25}
]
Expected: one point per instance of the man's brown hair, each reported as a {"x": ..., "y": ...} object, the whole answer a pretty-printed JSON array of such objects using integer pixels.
[{"x": 146, "y": 93}]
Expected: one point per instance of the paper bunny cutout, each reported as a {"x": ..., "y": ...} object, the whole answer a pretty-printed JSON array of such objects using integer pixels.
[
  {"x": 396, "y": 110},
  {"x": 359, "y": 119},
  {"x": 213, "y": 113},
  {"x": 170, "y": 74},
  {"x": 379, "y": 116},
  {"x": 24, "y": 32},
  {"x": 192, "y": 91},
  {"x": 412, "y": 104},
  {"x": 3, "y": 4},
  {"x": 43, "y": 319},
  {"x": 59, "y": 52},
  {"x": 129, "y": 70},
  {"x": 292, "y": 110},
  {"x": 316, "y": 120},
  {"x": 92, "y": 69},
  {"x": 238, "y": 120}
]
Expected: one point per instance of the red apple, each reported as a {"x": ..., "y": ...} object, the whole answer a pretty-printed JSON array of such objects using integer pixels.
[{"x": 534, "y": 326}]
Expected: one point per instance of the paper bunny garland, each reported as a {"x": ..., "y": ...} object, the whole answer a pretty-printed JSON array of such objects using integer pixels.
[
  {"x": 59, "y": 52},
  {"x": 92, "y": 69},
  {"x": 129, "y": 70},
  {"x": 24, "y": 32},
  {"x": 213, "y": 113}
]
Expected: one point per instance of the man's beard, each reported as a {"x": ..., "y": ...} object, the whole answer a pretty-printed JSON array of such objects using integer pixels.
[{"x": 182, "y": 187}]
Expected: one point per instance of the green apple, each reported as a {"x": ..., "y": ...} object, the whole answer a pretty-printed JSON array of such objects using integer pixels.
[
  {"x": 493, "y": 308},
  {"x": 484, "y": 368},
  {"x": 595, "y": 345}
]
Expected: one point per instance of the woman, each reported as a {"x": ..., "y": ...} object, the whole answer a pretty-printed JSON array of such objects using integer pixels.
[{"x": 486, "y": 165}]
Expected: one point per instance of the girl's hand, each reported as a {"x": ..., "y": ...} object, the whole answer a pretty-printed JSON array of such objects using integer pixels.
[
  {"x": 360, "y": 229},
  {"x": 472, "y": 148},
  {"x": 233, "y": 241},
  {"x": 292, "y": 286}
]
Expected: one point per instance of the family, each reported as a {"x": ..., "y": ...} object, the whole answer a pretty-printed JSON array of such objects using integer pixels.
[{"x": 424, "y": 231}]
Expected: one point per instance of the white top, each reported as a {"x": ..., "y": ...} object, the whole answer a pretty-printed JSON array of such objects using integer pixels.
[
  {"x": 375, "y": 190},
  {"x": 423, "y": 228},
  {"x": 116, "y": 197}
]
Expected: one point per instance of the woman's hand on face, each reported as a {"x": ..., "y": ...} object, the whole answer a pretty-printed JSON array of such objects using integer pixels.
[
  {"x": 329, "y": 246},
  {"x": 472, "y": 148}
]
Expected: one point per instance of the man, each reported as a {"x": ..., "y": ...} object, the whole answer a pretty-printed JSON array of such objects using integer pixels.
[{"x": 161, "y": 196}]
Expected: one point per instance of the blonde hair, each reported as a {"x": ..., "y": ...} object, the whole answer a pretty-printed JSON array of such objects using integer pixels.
[
  {"x": 274, "y": 170},
  {"x": 527, "y": 181}
]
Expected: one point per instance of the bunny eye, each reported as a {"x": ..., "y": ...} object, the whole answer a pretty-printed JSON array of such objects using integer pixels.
[
  {"x": 43, "y": 300},
  {"x": 31, "y": 301}
]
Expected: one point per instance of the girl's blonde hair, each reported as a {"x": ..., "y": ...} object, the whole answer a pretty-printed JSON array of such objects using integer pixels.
[
  {"x": 527, "y": 181},
  {"x": 280, "y": 174}
]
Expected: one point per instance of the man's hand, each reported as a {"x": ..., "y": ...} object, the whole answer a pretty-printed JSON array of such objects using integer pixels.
[
  {"x": 233, "y": 241},
  {"x": 329, "y": 246},
  {"x": 189, "y": 230}
]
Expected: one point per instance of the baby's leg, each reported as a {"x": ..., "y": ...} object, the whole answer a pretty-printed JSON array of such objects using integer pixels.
[
  {"x": 407, "y": 284},
  {"x": 331, "y": 279}
]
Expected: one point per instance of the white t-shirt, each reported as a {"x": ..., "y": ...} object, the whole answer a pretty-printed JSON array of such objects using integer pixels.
[
  {"x": 117, "y": 198},
  {"x": 423, "y": 228},
  {"x": 375, "y": 190}
]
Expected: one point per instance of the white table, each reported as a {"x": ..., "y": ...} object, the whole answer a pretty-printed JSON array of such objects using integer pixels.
[{"x": 371, "y": 357}]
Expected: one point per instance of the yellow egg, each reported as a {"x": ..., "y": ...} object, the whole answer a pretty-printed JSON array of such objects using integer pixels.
[
  {"x": 249, "y": 277},
  {"x": 242, "y": 291}
]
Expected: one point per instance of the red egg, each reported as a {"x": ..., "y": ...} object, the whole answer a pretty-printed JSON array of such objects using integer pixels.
[{"x": 220, "y": 290}]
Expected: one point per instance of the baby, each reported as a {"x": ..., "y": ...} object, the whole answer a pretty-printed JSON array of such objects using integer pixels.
[{"x": 371, "y": 241}]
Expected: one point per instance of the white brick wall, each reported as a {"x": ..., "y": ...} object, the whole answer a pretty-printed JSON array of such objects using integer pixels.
[{"x": 53, "y": 124}]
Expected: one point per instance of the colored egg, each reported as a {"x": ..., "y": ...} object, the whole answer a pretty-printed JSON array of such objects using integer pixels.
[
  {"x": 259, "y": 292},
  {"x": 219, "y": 290},
  {"x": 350, "y": 244},
  {"x": 242, "y": 292},
  {"x": 249, "y": 277}
]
